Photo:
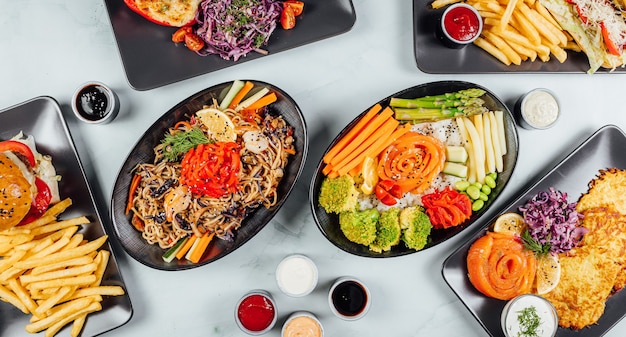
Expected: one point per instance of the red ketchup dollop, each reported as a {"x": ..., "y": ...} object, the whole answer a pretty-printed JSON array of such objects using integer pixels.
[
  {"x": 256, "y": 312},
  {"x": 462, "y": 24}
]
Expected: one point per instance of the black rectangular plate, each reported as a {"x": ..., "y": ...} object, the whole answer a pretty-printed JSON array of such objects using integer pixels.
[
  {"x": 435, "y": 58},
  {"x": 42, "y": 118},
  {"x": 151, "y": 59},
  {"x": 603, "y": 150}
]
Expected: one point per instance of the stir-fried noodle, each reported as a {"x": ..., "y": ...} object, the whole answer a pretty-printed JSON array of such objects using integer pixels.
[{"x": 167, "y": 209}]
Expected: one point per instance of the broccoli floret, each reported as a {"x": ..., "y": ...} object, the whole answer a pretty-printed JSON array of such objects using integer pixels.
[
  {"x": 416, "y": 227},
  {"x": 338, "y": 194},
  {"x": 388, "y": 231},
  {"x": 359, "y": 226}
]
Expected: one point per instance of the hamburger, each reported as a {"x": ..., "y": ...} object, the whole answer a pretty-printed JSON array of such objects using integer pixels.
[
  {"x": 28, "y": 182},
  {"x": 597, "y": 26}
]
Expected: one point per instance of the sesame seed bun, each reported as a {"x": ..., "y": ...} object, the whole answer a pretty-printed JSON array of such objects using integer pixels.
[{"x": 15, "y": 194}]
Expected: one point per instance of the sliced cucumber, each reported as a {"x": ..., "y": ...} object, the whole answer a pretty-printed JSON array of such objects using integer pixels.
[
  {"x": 455, "y": 169},
  {"x": 232, "y": 92},
  {"x": 456, "y": 154},
  {"x": 171, "y": 253}
]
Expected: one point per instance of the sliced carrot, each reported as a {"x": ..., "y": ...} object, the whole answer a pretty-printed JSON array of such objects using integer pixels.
[
  {"x": 181, "y": 253},
  {"x": 197, "y": 253},
  {"x": 263, "y": 101},
  {"x": 182, "y": 124},
  {"x": 366, "y": 133},
  {"x": 357, "y": 156},
  {"x": 349, "y": 137},
  {"x": 131, "y": 194},
  {"x": 240, "y": 95}
]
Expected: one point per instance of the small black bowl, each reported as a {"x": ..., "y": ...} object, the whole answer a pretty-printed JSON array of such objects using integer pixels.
[{"x": 95, "y": 103}]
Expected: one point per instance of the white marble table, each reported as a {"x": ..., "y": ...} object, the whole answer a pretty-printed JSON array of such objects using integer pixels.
[{"x": 51, "y": 47}]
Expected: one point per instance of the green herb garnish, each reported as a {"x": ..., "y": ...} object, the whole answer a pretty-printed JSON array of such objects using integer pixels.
[
  {"x": 177, "y": 144},
  {"x": 534, "y": 245},
  {"x": 529, "y": 322}
]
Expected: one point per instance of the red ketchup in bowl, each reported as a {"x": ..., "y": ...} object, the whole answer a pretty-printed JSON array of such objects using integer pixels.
[
  {"x": 461, "y": 24},
  {"x": 256, "y": 313}
]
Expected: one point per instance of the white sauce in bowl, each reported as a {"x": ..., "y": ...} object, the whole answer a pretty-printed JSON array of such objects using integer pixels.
[
  {"x": 540, "y": 109},
  {"x": 296, "y": 275},
  {"x": 522, "y": 311}
]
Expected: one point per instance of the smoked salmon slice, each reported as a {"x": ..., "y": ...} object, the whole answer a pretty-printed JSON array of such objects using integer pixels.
[{"x": 499, "y": 266}]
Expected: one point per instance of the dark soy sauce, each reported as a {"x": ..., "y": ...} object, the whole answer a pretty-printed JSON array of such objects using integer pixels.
[
  {"x": 92, "y": 102},
  {"x": 349, "y": 298}
]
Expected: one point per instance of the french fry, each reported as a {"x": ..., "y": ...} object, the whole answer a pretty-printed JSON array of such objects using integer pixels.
[
  {"x": 49, "y": 270},
  {"x": 442, "y": 3},
  {"x": 508, "y": 12},
  {"x": 499, "y": 43},
  {"x": 491, "y": 49}
]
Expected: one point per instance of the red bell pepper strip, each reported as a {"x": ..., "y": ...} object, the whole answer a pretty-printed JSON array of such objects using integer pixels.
[
  {"x": 610, "y": 45},
  {"x": 211, "y": 169},
  {"x": 19, "y": 149},
  {"x": 447, "y": 208}
]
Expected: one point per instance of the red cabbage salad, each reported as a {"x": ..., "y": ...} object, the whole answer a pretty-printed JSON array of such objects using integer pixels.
[
  {"x": 233, "y": 28},
  {"x": 552, "y": 222}
]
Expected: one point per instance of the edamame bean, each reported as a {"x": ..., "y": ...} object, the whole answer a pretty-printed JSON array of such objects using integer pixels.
[
  {"x": 486, "y": 189},
  {"x": 477, "y": 205},
  {"x": 490, "y": 181},
  {"x": 473, "y": 192},
  {"x": 482, "y": 196},
  {"x": 462, "y": 185}
]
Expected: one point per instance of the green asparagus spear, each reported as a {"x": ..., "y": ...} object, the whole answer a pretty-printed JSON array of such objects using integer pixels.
[{"x": 429, "y": 108}]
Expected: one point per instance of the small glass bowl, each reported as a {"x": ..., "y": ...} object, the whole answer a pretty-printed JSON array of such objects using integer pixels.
[
  {"x": 296, "y": 275},
  {"x": 350, "y": 291},
  {"x": 459, "y": 25},
  {"x": 95, "y": 103},
  {"x": 546, "y": 311},
  {"x": 302, "y": 320},
  {"x": 538, "y": 109},
  {"x": 254, "y": 310}
]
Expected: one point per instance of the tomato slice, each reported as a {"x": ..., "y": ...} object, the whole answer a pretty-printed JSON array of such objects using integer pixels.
[
  {"x": 384, "y": 196},
  {"x": 287, "y": 17},
  {"x": 194, "y": 42},
  {"x": 180, "y": 33},
  {"x": 297, "y": 6},
  {"x": 40, "y": 202},
  {"x": 20, "y": 149},
  {"x": 610, "y": 45}
]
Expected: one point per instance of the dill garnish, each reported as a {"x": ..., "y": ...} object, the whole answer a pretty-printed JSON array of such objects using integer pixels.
[
  {"x": 534, "y": 245},
  {"x": 177, "y": 144},
  {"x": 529, "y": 322}
]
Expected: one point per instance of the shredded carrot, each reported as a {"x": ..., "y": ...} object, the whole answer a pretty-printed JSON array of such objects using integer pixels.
[
  {"x": 356, "y": 157},
  {"x": 263, "y": 101},
  {"x": 201, "y": 247},
  {"x": 131, "y": 194},
  {"x": 182, "y": 123},
  {"x": 181, "y": 253},
  {"x": 240, "y": 95},
  {"x": 349, "y": 137}
]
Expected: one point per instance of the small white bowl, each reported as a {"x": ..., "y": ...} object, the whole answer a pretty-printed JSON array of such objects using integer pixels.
[
  {"x": 544, "y": 309},
  {"x": 538, "y": 109},
  {"x": 466, "y": 19},
  {"x": 302, "y": 323},
  {"x": 95, "y": 103},
  {"x": 349, "y": 298},
  {"x": 254, "y": 308},
  {"x": 296, "y": 275}
]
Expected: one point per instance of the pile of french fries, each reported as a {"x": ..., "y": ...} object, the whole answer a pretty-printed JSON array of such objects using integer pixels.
[
  {"x": 518, "y": 30},
  {"x": 48, "y": 270}
]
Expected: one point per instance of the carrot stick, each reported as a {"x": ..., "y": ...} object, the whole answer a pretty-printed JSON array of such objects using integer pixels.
[
  {"x": 181, "y": 253},
  {"x": 327, "y": 169},
  {"x": 379, "y": 147},
  {"x": 366, "y": 133},
  {"x": 358, "y": 155},
  {"x": 131, "y": 194},
  {"x": 199, "y": 251},
  {"x": 263, "y": 101},
  {"x": 243, "y": 92},
  {"x": 352, "y": 133}
]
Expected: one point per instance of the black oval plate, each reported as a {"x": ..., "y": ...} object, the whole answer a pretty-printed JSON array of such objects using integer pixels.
[
  {"x": 328, "y": 224},
  {"x": 142, "y": 152}
]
